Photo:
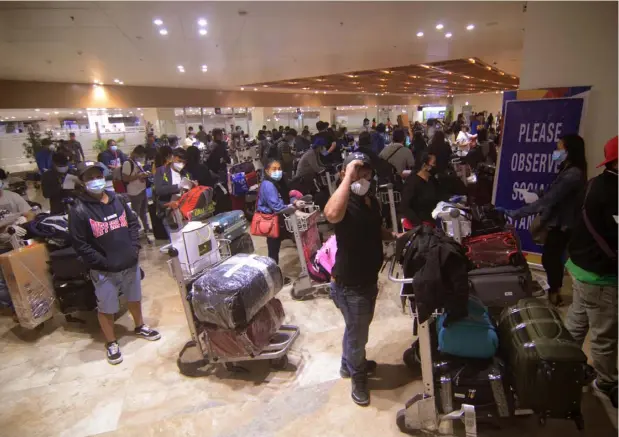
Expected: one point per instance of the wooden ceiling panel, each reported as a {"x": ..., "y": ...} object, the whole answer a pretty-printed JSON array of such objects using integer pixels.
[{"x": 457, "y": 76}]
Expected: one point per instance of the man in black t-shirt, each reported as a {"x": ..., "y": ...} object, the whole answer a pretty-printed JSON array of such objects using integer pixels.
[{"x": 359, "y": 234}]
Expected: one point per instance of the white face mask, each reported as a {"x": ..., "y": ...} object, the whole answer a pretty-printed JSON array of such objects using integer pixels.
[
  {"x": 178, "y": 166},
  {"x": 360, "y": 187}
]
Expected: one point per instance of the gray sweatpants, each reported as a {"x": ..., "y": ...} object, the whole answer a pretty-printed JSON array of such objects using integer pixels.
[
  {"x": 594, "y": 309},
  {"x": 139, "y": 204}
]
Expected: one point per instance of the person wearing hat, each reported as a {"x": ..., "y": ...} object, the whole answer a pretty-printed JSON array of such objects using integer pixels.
[
  {"x": 593, "y": 268},
  {"x": 104, "y": 231},
  {"x": 359, "y": 235},
  {"x": 557, "y": 209}
]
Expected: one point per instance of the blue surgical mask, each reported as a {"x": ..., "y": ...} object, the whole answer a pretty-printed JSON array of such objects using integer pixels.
[
  {"x": 96, "y": 186},
  {"x": 113, "y": 148},
  {"x": 62, "y": 169},
  {"x": 559, "y": 155},
  {"x": 276, "y": 175}
]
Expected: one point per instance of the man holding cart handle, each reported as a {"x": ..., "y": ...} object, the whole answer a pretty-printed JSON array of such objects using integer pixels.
[{"x": 359, "y": 234}]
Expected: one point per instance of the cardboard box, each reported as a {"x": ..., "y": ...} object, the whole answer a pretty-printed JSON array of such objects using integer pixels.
[{"x": 27, "y": 275}]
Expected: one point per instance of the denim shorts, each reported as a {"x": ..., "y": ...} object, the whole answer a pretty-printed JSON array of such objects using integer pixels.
[{"x": 108, "y": 286}]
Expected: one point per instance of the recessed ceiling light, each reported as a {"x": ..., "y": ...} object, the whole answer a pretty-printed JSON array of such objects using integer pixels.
[
  {"x": 501, "y": 73},
  {"x": 466, "y": 103},
  {"x": 37, "y": 110},
  {"x": 14, "y": 117},
  {"x": 471, "y": 60},
  {"x": 470, "y": 27},
  {"x": 29, "y": 117},
  {"x": 255, "y": 89},
  {"x": 419, "y": 34},
  {"x": 448, "y": 35},
  {"x": 315, "y": 92},
  {"x": 157, "y": 22},
  {"x": 202, "y": 31},
  {"x": 55, "y": 112},
  {"x": 439, "y": 26},
  {"x": 202, "y": 22},
  {"x": 242, "y": 89},
  {"x": 163, "y": 31}
]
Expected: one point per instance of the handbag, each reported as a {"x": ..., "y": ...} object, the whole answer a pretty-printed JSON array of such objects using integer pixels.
[
  {"x": 539, "y": 231},
  {"x": 265, "y": 225}
]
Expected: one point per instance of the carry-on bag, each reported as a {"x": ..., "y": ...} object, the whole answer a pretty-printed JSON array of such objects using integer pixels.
[
  {"x": 495, "y": 249},
  {"x": 325, "y": 257},
  {"x": 231, "y": 294},
  {"x": 498, "y": 287},
  {"x": 481, "y": 383},
  {"x": 229, "y": 225},
  {"x": 471, "y": 337},
  {"x": 242, "y": 244},
  {"x": 248, "y": 341},
  {"x": 75, "y": 295},
  {"x": 243, "y": 167},
  {"x": 196, "y": 203},
  {"x": 66, "y": 264},
  {"x": 548, "y": 369},
  {"x": 486, "y": 219},
  {"x": 239, "y": 184},
  {"x": 159, "y": 231},
  {"x": 251, "y": 178}
]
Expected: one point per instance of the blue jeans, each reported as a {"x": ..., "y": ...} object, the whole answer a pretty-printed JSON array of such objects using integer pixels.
[{"x": 357, "y": 306}]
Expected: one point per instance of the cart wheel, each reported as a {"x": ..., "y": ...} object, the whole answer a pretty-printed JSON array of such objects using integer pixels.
[
  {"x": 400, "y": 421},
  {"x": 411, "y": 357},
  {"x": 280, "y": 363}
]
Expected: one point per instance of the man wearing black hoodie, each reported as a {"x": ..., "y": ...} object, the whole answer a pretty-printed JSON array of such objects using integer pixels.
[{"x": 104, "y": 230}]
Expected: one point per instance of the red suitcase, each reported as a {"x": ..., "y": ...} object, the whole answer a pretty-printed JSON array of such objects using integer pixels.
[
  {"x": 250, "y": 341},
  {"x": 492, "y": 250}
]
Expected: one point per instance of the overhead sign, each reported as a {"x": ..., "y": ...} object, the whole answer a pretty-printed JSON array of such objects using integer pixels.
[{"x": 531, "y": 131}]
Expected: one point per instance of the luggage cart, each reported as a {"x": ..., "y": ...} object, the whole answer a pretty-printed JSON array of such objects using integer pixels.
[
  {"x": 388, "y": 196},
  {"x": 275, "y": 352},
  {"x": 306, "y": 222},
  {"x": 329, "y": 180},
  {"x": 421, "y": 413}
]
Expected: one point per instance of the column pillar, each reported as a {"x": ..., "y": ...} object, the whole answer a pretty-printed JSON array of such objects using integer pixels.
[
  {"x": 328, "y": 115},
  {"x": 260, "y": 117},
  {"x": 554, "y": 55}
]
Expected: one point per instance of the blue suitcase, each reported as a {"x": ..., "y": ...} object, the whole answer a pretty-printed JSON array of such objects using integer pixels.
[{"x": 229, "y": 225}]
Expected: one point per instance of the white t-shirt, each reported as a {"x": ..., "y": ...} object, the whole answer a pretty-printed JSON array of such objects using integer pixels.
[
  {"x": 13, "y": 203},
  {"x": 136, "y": 186}
]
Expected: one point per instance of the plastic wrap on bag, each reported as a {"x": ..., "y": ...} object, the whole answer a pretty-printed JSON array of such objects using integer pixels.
[
  {"x": 231, "y": 294},
  {"x": 234, "y": 343},
  {"x": 492, "y": 250},
  {"x": 26, "y": 274}
]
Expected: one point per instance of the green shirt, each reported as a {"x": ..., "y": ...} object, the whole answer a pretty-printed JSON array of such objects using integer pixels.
[{"x": 589, "y": 277}]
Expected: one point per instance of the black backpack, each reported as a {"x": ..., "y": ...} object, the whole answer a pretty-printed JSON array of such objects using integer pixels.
[{"x": 387, "y": 173}]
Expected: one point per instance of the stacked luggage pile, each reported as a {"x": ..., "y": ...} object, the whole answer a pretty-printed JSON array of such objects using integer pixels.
[
  {"x": 512, "y": 352},
  {"x": 233, "y": 226},
  {"x": 235, "y": 308}
]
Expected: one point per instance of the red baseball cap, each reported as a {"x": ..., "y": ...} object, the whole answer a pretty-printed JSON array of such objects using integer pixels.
[{"x": 611, "y": 151}]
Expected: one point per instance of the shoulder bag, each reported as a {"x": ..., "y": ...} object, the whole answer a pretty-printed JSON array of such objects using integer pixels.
[{"x": 264, "y": 225}]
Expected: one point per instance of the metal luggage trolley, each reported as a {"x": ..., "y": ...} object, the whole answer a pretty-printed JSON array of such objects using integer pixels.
[
  {"x": 302, "y": 223},
  {"x": 275, "y": 352},
  {"x": 421, "y": 414},
  {"x": 329, "y": 180},
  {"x": 387, "y": 195}
]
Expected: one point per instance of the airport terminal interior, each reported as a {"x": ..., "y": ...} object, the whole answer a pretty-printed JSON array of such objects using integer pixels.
[{"x": 308, "y": 218}]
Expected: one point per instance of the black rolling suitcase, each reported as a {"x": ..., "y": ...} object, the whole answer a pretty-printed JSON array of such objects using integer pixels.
[
  {"x": 66, "y": 264},
  {"x": 481, "y": 383},
  {"x": 547, "y": 368},
  {"x": 75, "y": 295},
  {"x": 498, "y": 287},
  {"x": 159, "y": 232}
]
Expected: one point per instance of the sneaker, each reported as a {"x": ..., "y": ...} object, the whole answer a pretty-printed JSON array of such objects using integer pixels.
[
  {"x": 360, "y": 393},
  {"x": 113, "y": 353},
  {"x": 147, "y": 333},
  {"x": 370, "y": 367}
]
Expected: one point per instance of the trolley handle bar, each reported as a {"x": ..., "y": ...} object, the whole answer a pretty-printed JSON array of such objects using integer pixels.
[
  {"x": 291, "y": 209},
  {"x": 393, "y": 278}
]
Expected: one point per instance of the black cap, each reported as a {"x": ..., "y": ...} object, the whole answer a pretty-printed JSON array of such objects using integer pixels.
[
  {"x": 85, "y": 166},
  {"x": 360, "y": 156}
]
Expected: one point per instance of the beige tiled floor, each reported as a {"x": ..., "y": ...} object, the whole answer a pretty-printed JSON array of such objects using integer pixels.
[{"x": 58, "y": 383}]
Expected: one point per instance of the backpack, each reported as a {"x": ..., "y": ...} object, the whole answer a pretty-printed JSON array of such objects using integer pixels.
[
  {"x": 325, "y": 257},
  {"x": 239, "y": 184},
  {"x": 387, "y": 173},
  {"x": 196, "y": 203},
  {"x": 316, "y": 272},
  {"x": 471, "y": 337}
]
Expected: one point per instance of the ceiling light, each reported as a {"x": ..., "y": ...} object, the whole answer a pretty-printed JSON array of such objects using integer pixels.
[
  {"x": 470, "y": 27},
  {"x": 37, "y": 110},
  {"x": 157, "y": 22},
  {"x": 79, "y": 112},
  {"x": 70, "y": 113},
  {"x": 439, "y": 26},
  {"x": 324, "y": 92},
  {"x": 47, "y": 113},
  {"x": 180, "y": 67},
  {"x": 29, "y": 117},
  {"x": 142, "y": 114},
  {"x": 448, "y": 35},
  {"x": 419, "y": 34},
  {"x": 501, "y": 73},
  {"x": 315, "y": 92},
  {"x": 202, "y": 31},
  {"x": 265, "y": 86},
  {"x": 488, "y": 68},
  {"x": 14, "y": 117},
  {"x": 466, "y": 103},
  {"x": 121, "y": 83},
  {"x": 255, "y": 89},
  {"x": 385, "y": 71},
  {"x": 163, "y": 32},
  {"x": 242, "y": 89},
  {"x": 471, "y": 60},
  {"x": 202, "y": 22}
]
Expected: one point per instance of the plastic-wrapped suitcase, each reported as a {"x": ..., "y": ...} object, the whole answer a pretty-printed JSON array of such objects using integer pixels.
[
  {"x": 242, "y": 244},
  {"x": 492, "y": 250},
  {"x": 248, "y": 341},
  {"x": 498, "y": 287},
  {"x": 229, "y": 225},
  {"x": 66, "y": 264},
  {"x": 548, "y": 369},
  {"x": 481, "y": 383},
  {"x": 231, "y": 294},
  {"x": 75, "y": 295}
]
